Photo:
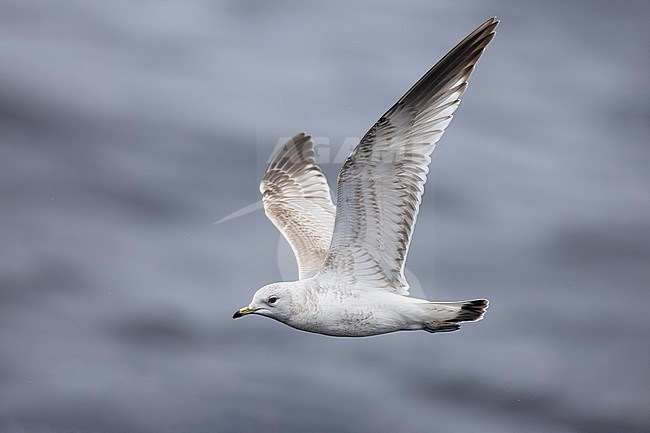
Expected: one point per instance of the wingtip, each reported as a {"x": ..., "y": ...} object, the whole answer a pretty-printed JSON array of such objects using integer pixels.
[
  {"x": 489, "y": 25},
  {"x": 495, "y": 23},
  {"x": 301, "y": 135}
]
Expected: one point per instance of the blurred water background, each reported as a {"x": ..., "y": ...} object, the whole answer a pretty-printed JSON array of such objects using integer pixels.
[{"x": 128, "y": 128}]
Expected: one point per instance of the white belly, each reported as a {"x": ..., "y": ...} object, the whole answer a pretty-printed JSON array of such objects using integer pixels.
[{"x": 358, "y": 313}]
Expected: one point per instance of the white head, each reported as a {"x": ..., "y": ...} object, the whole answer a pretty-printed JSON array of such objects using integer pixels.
[{"x": 273, "y": 300}]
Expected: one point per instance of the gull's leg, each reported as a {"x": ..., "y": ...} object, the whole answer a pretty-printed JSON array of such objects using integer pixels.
[{"x": 434, "y": 327}]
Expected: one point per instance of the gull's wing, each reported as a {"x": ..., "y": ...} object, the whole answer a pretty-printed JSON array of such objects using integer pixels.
[
  {"x": 297, "y": 200},
  {"x": 382, "y": 181}
]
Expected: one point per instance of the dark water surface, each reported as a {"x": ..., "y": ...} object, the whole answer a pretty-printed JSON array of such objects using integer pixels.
[{"x": 128, "y": 128}]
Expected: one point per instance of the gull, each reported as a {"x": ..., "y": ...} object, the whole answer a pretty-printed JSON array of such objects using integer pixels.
[{"x": 351, "y": 257}]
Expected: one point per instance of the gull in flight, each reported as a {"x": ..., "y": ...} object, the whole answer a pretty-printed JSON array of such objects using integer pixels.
[{"x": 351, "y": 257}]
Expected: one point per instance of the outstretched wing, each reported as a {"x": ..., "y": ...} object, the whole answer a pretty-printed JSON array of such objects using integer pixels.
[
  {"x": 382, "y": 181},
  {"x": 297, "y": 200}
]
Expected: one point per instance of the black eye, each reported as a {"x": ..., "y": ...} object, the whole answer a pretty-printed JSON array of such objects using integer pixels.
[{"x": 272, "y": 300}]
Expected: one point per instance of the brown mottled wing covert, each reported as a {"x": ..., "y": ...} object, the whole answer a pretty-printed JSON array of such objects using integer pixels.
[{"x": 297, "y": 200}]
